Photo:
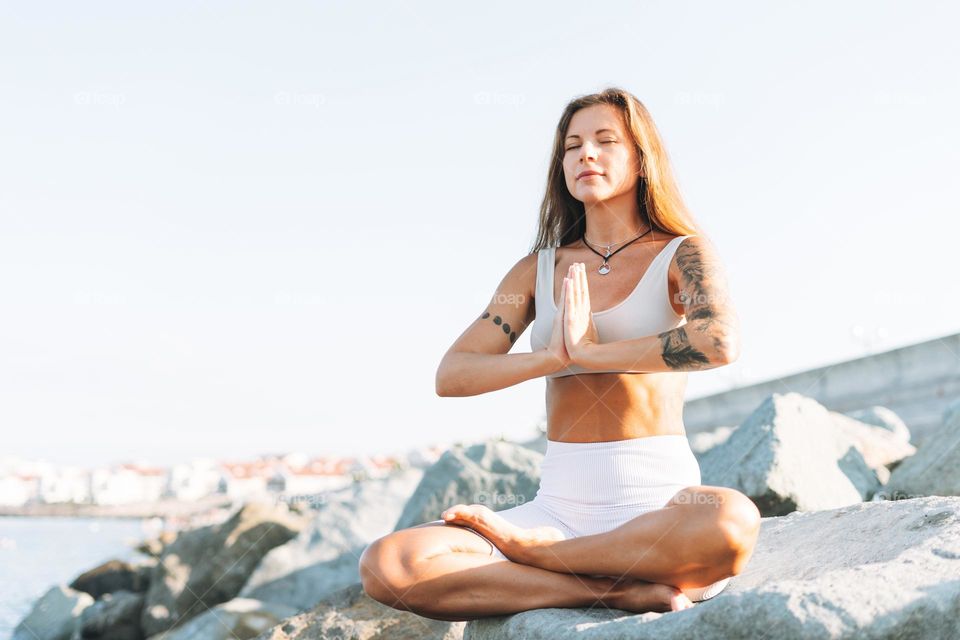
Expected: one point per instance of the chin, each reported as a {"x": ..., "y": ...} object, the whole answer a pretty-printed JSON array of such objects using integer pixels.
[{"x": 593, "y": 196}]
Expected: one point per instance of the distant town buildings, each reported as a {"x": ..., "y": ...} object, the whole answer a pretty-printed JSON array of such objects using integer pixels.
[{"x": 24, "y": 482}]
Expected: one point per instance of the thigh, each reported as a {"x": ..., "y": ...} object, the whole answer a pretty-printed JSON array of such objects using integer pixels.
[
  {"x": 531, "y": 515},
  {"x": 437, "y": 537},
  {"x": 453, "y": 537}
]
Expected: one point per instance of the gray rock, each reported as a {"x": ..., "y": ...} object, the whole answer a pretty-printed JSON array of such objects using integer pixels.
[
  {"x": 115, "y": 617},
  {"x": 238, "y": 619},
  {"x": 885, "y": 419},
  {"x": 113, "y": 575},
  {"x": 950, "y": 413},
  {"x": 880, "y": 447},
  {"x": 871, "y": 570},
  {"x": 324, "y": 557},
  {"x": 785, "y": 458},
  {"x": 865, "y": 479},
  {"x": 935, "y": 469},
  {"x": 496, "y": 473},
  {"x": 349, "y": 614},
  {"x": 54, "y": 616},
  {"x": 154, "y": 546},
  {"x": 207, "y": 566}
]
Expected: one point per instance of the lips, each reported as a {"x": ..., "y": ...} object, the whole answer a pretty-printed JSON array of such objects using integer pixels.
[{"x": 587, "y": 174}]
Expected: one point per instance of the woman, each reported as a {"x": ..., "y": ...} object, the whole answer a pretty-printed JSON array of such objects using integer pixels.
[{"x": 620, "y": 518}]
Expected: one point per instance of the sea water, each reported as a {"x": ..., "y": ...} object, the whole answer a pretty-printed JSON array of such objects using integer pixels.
[{"x": 37, "y": 553}]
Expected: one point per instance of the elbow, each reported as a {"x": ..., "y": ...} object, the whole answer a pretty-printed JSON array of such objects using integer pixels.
[
  {"x": 725, "y": 335},
  {"x": 726, "y": 350},
  {"x": 439, "y": 385},
  {"x": 442, "y": 383}
]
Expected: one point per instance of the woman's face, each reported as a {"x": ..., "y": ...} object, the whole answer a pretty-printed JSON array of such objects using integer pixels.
[{"x": 596, "y": 141}]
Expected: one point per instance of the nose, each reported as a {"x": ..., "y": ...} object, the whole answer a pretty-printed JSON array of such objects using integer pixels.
[{"x": 588, "y": 151}]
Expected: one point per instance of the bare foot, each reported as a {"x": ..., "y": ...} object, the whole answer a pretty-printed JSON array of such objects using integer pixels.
[
  {"x": 514, "y": 542},
  {"x": 639, "y": 596}
]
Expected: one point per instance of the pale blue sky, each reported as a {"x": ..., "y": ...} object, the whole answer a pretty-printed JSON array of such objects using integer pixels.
[{"x": 234, "y": 228}]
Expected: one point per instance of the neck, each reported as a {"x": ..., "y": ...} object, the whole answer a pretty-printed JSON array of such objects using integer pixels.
[{"x": 615, "y": 220}]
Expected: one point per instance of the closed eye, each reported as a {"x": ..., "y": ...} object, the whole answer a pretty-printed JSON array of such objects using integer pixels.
[{"x": 578, "y": 146}]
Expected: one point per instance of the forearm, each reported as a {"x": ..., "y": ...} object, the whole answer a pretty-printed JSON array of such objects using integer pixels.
[
  {"x": 695, "y": 346},
  {"x": 468, "y": 374}
]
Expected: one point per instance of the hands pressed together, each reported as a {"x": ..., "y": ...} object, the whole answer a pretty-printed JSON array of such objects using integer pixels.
[{"x": 573, "y": 330}]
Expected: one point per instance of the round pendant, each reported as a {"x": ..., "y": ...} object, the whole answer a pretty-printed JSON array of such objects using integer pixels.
[{"x": 604, "y": 269}]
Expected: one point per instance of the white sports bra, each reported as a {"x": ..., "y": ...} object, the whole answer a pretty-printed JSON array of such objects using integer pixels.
[{"x": 645, "y": 312}]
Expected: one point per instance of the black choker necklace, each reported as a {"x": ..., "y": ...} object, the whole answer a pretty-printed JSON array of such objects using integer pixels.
[{"x": 605, "y": 268}]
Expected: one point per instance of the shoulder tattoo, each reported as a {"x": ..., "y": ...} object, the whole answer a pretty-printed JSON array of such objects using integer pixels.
[{"x": 700, "y": 277}]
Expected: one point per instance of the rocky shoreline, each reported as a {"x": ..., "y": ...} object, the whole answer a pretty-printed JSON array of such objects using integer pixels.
[{"x": 860, "y": 538}]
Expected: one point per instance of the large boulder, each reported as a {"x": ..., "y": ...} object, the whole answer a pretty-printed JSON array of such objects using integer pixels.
[
  {"x": 324, "y": 557},
  {"x": 209, "y": 565},
  {"x": 114, "y": 617},
  {"x": 496, "y": 473},
  {"x": 350, "y": 614},
  {"x": 54, "y": 616},
  {"x": 880, "y": 447},
  {"x": 884, "y": 418},
  {"x": 115, "y": 575},
  {"x": 238, "y": 619},
  {"x": 788, "y": 455},
  {"x": 871, "y": 570},
  {"x": 935, "y": 469},
  {"x": 154, "y": 546}
]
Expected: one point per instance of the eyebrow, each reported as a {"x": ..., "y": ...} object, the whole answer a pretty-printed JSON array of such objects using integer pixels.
[{"x": 597, "y": 131}]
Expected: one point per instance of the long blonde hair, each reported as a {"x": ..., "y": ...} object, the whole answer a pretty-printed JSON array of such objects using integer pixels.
[{"x": 562, "y": 217}]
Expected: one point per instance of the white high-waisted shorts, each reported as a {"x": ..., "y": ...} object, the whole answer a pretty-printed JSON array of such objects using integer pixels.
[{"x": 593, "y": 487}]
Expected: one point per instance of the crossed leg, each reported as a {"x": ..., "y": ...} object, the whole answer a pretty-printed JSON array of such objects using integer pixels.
[
  {"x": 448, "y": 573},
  {"x": 702, "y": 535}
]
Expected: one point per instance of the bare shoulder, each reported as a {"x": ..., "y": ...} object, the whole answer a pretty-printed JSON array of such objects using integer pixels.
[{"x": 507, "y": 314}]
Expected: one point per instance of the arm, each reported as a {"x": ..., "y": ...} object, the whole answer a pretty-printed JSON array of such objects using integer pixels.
[
  {"x": 470, "y": 374},
  {"x": 710, "y": 337},
  {"x": 478, "y": 361}
]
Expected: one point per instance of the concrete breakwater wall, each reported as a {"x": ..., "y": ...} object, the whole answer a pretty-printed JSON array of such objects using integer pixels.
[{"x": 917, "y": 382}]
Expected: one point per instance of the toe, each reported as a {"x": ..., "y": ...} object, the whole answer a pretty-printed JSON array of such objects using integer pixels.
[{"x": 681, "y": 601}]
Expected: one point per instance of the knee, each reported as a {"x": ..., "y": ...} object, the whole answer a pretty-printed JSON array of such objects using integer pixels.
[
  {"x": 381, "y": 573},
  {"x": 739, "y": 524}
]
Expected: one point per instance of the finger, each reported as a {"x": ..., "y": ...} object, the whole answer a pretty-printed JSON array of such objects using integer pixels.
[
  {"x": 584, "y": 291},
  {"x": 579, "y": 281},
  {"x": 563, "y": 294}
]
